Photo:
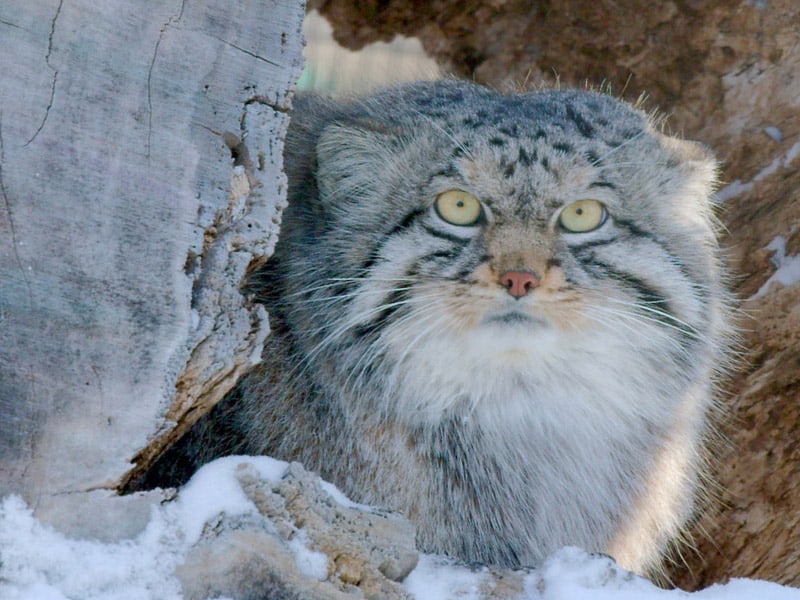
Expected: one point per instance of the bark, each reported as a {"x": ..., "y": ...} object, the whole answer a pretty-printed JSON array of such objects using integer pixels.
[
  {"x": 140, "y": 178},
  {"x": 728, "y": 74}
]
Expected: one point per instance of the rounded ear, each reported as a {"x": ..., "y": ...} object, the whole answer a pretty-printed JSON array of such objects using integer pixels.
[
  {"x": 695, "y": 158},
  {"x": 689, "y": 201},
  {"x": 357, "y": 158},
  {"x": 310, "y": 114},
  {"x": 696, "y": 164}
]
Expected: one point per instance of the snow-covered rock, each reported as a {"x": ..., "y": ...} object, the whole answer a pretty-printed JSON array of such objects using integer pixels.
[{"x": 256, "y": 528}]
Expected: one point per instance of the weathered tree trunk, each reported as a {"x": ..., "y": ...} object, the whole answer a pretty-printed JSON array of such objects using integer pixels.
[
  {"x": 728, "y": 74},
  {"x": 140, "y": 178}
]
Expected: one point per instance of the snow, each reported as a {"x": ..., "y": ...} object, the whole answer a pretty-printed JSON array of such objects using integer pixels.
[
  {"x": 774, "y": 133},
  {"x": 569, "y": 575},
  {"x": 337, "y": 495},
  {"x": 738, "y": 187},
  {"x": 573, "y": 574},
  {"x": 437, "y": 578},
  {"x": 793, "y": 153},
  {"x": 38, "y": 563},
  {"x": 732, "y": 190},
  {"x": 768, "y": 170},
  {"x": 310, "y": 563},
  {"x": 788, "y": 267}
]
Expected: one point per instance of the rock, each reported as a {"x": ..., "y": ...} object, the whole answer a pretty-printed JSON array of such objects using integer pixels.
[{"x": 301, "y": 543}]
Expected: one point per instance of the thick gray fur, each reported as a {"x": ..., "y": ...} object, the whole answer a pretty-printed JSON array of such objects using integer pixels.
[{"x": 403, "y": 371}]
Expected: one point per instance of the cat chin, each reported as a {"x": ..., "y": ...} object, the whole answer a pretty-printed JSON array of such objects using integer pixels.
[
  {"x": 498, "y": 344},
  {"x": 511, "y": 344}
]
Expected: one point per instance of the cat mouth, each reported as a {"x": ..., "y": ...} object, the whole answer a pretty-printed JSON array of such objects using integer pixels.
[{"x": 515, "y": 318}]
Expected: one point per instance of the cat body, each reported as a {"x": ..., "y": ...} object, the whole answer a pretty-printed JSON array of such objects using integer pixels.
[{"x": 453, "y": 339}]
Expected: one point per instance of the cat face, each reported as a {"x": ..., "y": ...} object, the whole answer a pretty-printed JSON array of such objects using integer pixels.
[{"x": 475, "y": 234}]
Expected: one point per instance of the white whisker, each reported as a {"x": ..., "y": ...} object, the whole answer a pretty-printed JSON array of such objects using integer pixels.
[
  {"x": 686, "y": 328},
  {"x": 353, "y": 321},
  {"x": 619, "y": 147}
]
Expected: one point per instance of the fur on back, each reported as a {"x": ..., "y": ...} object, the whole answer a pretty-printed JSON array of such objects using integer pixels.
[{"x": 402, "y": 368}]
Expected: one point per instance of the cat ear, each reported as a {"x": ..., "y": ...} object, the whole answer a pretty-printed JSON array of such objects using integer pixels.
[
  {"x": 696, "y": 164},
  {"x": 358, "y": 158},
  {"x": 693, "y": 173},
  {"x": 310, "y": 114},
  {"x": 693, "y": 154}
]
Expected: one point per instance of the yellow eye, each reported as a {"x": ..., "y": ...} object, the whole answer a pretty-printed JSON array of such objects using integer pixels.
[
  {"x": 458, "y": 207},
  {"x": 582, "y": 216}
]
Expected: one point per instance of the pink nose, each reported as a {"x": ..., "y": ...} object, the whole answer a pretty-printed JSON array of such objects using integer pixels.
[{"x": 519, "y": 283}]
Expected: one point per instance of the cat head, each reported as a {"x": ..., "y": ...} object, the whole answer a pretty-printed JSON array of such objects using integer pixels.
[{"x": 448, "y": 223}]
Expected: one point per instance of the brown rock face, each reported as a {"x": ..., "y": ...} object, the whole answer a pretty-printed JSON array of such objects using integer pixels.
[{"x": 728, "y": 74}]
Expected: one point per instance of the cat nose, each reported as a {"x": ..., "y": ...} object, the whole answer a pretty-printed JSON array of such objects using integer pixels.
[{"x": 519, "y": 283}]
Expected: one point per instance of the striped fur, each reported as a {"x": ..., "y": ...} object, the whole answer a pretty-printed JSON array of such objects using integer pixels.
[{"x": 403, "y": 371}]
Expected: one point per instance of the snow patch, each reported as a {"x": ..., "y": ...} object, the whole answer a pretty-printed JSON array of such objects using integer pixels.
[
  {"x": 439, "y": 578},
  {"x": 573, "y": 574},
  {"x": 310, "y": 563},
  {"x": 774, "y": 133},
  {"x": 37, "y": 562},
  {"x": 343, "y": 500},
  {"x": 744, "y": 589},
  {"x": 737, "y": 187},
  {"x": 768, "y": 170},
  {"x": 788, "y": 267},
  {"x": 793, "y": 153},
  {"x": 732, "y": 190}
]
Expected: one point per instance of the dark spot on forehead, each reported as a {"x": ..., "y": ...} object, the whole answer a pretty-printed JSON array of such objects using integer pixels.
[
  {"x": 563, "y": 147},
  {"x": 603, "y": 184},
  {"x": 509, "y": 130},
  {"x": 437, "y": 113},
  {"x": 448, "y": 170},
  {"x": 593, "y": 158},
  {"x": 460, "y": 150},
  {"x": 583, "y": 126},
  {"x": 497, "y": 141},
  {"x": 524, "y": 158},
  {"x": 530, "y": 208}
]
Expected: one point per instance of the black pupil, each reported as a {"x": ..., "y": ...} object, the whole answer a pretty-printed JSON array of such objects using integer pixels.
[
  {"x": 579, "y": 211},
  {"x": 460, "y": 204}
]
